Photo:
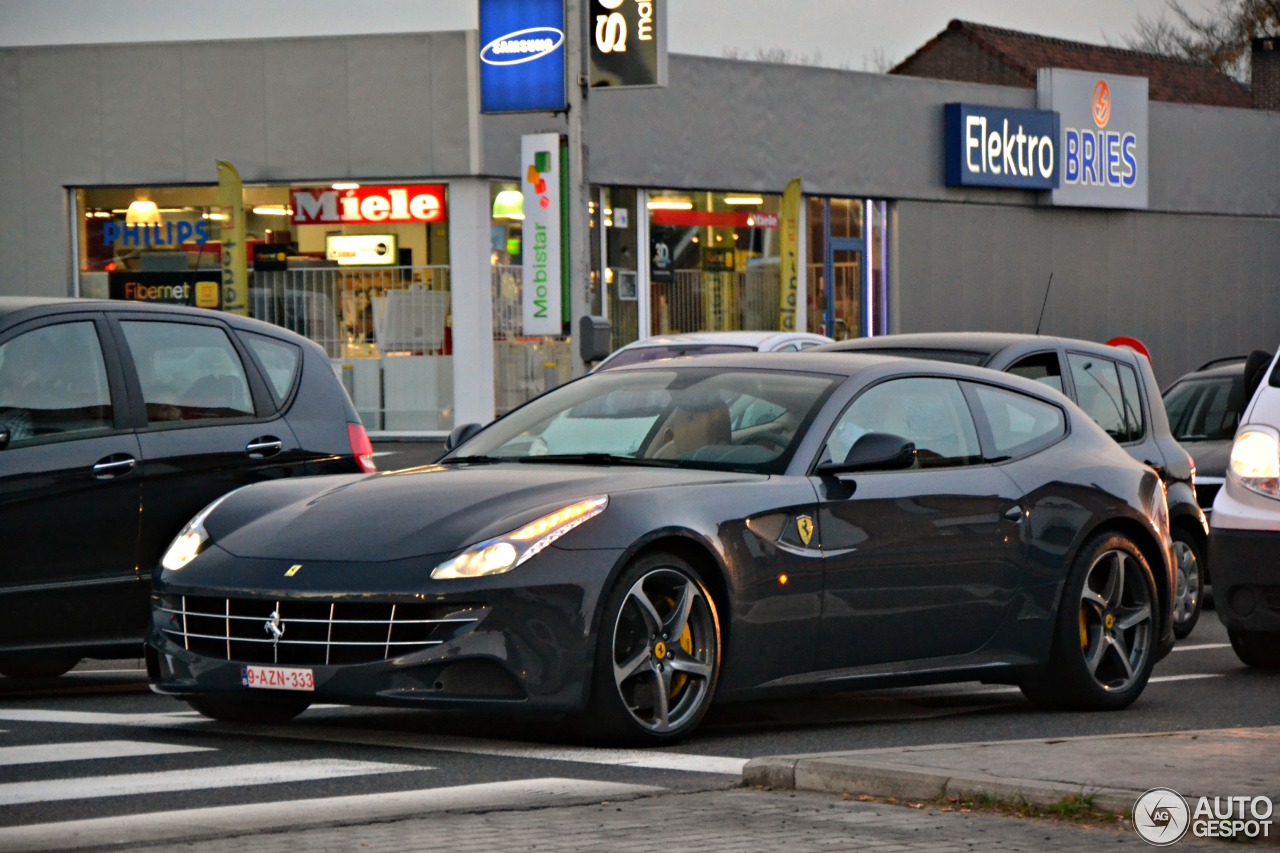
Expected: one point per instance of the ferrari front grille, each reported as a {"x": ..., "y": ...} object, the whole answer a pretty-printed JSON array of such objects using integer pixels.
[{"x": 311, "y": 632}]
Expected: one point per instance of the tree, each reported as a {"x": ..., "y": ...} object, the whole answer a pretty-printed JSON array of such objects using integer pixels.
[{"x": 1221, "y": 37}]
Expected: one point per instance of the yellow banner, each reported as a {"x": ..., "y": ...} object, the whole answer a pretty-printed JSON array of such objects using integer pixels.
[
  {"x": 235, "y": 274},
  {"x": 789, "y": 237}
]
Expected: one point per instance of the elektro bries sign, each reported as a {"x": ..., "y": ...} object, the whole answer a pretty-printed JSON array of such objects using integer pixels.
[{"x": 990, "y": 146}]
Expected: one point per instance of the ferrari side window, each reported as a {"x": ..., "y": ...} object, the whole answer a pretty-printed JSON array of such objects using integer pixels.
[
  {"x": 1019, "y": 425},
  {"x": 928, "y": 411}
]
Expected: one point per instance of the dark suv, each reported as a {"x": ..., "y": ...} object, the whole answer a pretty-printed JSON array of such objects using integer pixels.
[
  {"x": 1117, "y": 388},
  {"x": 119, "y": 421}
]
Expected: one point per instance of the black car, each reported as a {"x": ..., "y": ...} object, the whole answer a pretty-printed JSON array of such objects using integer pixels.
[
  {"x": 634, "y": 544},
  {"x": 1204, "y": 408},
  {"x": 118, "y": 421},
  {"x": 1117, "y": 388}
]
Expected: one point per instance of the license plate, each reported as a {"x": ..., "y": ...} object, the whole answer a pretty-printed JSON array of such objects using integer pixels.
[{"x": 277, "y": 678}]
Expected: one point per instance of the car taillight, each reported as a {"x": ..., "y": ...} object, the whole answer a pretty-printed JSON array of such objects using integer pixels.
[{"x": 361, "y": 447}]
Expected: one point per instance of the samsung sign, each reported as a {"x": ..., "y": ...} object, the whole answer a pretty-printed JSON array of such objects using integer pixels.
[
  {"x": 522, "y": 56},
  {"x": 1104, "y": 137},
  {"x": 990, "y": 146}
]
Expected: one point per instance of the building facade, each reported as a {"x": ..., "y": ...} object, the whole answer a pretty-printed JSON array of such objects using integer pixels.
[{"x": 377, "y": 201}]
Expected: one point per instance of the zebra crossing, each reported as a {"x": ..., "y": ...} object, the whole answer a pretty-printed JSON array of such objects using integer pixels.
[{"x": 76, "y": 779}]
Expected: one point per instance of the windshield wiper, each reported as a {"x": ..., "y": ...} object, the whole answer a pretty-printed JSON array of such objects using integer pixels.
[
  {"x": 600, "y": 459},
  {"x": 478, "y": 460}
]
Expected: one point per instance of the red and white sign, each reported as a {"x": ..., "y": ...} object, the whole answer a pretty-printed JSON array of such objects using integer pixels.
[{"x": 374, "y": 205}]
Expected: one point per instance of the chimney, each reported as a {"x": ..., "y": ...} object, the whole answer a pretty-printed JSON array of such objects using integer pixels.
[{"x": 1265, "y": 78}]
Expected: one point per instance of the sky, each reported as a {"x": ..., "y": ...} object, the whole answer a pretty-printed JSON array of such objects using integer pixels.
[{"x": 862, "y": 35}]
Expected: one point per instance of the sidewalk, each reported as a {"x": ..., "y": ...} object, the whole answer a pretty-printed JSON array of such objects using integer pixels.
[{"x": 1114, "y": 770}]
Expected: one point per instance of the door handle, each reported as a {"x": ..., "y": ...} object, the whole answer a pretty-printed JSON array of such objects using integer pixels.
[
  {"x": 264, "y": 446},
  {"x": 115, "y": 465},
  {"x": 1014, "y": 514}
]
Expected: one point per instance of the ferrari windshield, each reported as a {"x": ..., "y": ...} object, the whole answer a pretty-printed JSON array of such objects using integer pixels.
[{"x": 696, "y": 417}]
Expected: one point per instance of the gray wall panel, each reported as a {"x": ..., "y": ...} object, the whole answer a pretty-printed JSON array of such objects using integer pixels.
[
  {"x": 142, "y": 128},
  {"x": 454, "y": 107},
  {"x": 12, "y": 256},
  {"x": 1214, "y": 160},
  {"x": 1191, "y": 287},
  {"x": 60, "y": 118},
  {"x": 388, "y": 99},
  {"x": 224, "y": 90},
  {"x": 741, "y": 125},
  {"x": 307, "y": 126}
]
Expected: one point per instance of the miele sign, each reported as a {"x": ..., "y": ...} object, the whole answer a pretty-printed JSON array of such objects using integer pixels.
[{"x": 415, "y": 203}]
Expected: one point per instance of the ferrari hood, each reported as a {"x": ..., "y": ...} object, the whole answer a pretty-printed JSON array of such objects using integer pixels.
[{"x": 427, "y": 511}]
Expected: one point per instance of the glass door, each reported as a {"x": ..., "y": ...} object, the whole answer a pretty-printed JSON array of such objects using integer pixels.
[{"x": 843, "y": 316}]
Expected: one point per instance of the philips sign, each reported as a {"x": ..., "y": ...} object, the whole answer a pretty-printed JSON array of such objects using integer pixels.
[
  {"x": 989, "y": 146},
  {"x": 1104, "y": 137},
  {"x": 522, "y": 57}
]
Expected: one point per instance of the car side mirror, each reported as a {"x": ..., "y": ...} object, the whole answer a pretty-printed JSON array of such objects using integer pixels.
[
  {"x": 460, "y": 435},
  {"x": 874, "y": 451},
  {"x": 4, "y": 437}
]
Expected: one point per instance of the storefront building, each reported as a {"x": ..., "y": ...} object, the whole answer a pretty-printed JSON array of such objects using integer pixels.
[{"x": 383, "y": 217}]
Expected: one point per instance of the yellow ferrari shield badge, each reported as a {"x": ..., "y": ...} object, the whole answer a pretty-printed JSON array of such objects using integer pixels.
[
  {"x": 293, "y": 570},
  {"x": 804, "y": 525}
]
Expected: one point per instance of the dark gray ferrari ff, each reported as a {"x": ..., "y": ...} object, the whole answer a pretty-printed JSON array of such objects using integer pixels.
[{"x": 633, "y": 545}]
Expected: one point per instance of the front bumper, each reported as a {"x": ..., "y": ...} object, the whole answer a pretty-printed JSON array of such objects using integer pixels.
[
  {"x": 529, "y": 647},
  {"x": 1246, "y": 578}
]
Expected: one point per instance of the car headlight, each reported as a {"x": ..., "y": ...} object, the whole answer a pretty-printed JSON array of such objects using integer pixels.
[
  {"x": 191, "y": 540},
  {"x": 1255, "y": 461},
  {"x": 504, "y": 553}
]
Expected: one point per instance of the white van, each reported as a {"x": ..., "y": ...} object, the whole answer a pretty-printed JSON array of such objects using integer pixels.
[{"x": 1244, "y": 531}]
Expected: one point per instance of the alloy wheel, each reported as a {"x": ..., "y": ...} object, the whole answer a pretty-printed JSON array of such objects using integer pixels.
[
  {"x": 1115, "y": 620},
  {"x": 1187, "y": 599},
  {"x": 664, "y": 650}
]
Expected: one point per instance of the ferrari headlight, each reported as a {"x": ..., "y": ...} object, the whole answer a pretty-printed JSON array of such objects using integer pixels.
[
  {"x": 504, "y": 553},
  {"x": 191, "y": 540},
  {"x": 1255, "y": 461}
]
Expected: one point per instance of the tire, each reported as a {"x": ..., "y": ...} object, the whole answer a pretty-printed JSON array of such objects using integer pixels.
[
  {"x": 1256, "y": 648},
  {"x": 1105, "y": 631},
  {"x": 658, "y": 628},
  {"x": 37, "y": 665},
  {"x": 1188, "y": 598},
  {"x": 235, "y": 709}
]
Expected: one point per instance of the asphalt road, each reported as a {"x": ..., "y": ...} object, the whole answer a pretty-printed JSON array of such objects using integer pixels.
[{"x": 96, "y": 744}]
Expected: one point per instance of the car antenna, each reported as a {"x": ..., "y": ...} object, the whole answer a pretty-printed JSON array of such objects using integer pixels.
[{"x": 1043, "y": 304}]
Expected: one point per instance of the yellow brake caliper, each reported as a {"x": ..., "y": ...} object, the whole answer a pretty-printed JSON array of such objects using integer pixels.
[{"x": 686, "y": 642}]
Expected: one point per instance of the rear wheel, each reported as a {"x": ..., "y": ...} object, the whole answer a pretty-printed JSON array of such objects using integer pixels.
[
  {"x": 1105, "y": 632},
  {"x": 231, "y": 709},
  {"x": 657, "y": 654},
  {"x": 37, "y": 664},
  {"x": 1189, "y": 598},
  {"x": 1256, "y": 648}
]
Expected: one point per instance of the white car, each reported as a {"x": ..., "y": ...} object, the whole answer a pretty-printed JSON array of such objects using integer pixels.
[
  {"x": 1244, "y": 532},
  {"x": 710, "y": 343}
]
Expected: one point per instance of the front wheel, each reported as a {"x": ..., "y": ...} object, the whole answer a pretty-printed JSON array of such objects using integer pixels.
[
  {"x": 234, "y": 709},
  {"x": 657, "y": 654},
  {"x": 1188, "y": 600},
  {"x": 1256, "y": 648},
  {"x": 1105, "y": 632}
]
